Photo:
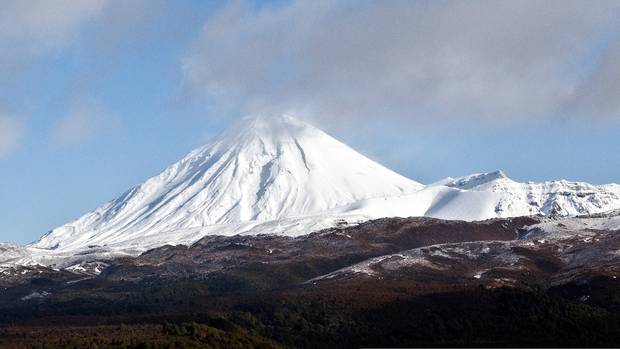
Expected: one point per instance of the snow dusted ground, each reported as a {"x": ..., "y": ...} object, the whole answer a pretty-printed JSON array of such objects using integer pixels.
[
  {"x": 282, "y": 176},
  {"x": 578, "y": 242},
  {"x": 567, "y": 228},
  {"x": 493, "y": 252}
]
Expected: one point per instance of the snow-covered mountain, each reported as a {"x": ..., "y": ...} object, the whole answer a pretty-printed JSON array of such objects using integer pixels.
[
  {"x": 493, "y": 195},
  {"x": 557, "y": 198},
  {"x": 262, "y": 169},
  {"x": 279, "y": 175}
]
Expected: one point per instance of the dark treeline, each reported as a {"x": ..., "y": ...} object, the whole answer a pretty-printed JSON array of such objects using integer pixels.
[{"x": 187, "y": 316}]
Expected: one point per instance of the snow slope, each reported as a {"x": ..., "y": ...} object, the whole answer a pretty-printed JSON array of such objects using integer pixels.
[
  {"x": 557, "y": 198},
  {"x": 262, "y": 169},
  {"x": 492, "y": 195}
]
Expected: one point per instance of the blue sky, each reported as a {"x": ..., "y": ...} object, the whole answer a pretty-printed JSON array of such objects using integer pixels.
[{"x": 100, "y": 96}]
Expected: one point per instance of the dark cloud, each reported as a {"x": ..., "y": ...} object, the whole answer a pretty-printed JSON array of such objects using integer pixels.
[{"x": 598, "y": 93}]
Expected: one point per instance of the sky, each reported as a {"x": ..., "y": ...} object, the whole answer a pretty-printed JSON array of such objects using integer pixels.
[{"x": 98, "y": 95}]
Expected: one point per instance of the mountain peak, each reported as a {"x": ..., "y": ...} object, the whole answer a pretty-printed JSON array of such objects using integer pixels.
[
  {"x": 497, "y": 174},
  {"x": 273, "y": 123},
  {"x": 272, "y": 119},
  {"x": 262, "y": 168},
  {"x": 266, "y": 129},
  {"x": 477, "y": 180}
]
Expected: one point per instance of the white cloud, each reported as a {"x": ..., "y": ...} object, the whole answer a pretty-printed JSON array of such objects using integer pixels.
[
  {"x": 40, "y": 25},
  {"x": 86, "y": 120},
  {"x": 11, "y": 131},
  {"x": 482, "y": 60},
  {"x": 29, "y": 29}
]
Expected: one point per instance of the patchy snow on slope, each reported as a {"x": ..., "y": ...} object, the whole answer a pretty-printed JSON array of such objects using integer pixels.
[
  {"x": 11, "y": 255},
  {"x": 566, "y": 228},
  {"x": 35, "y": 295},
  {"x": 435, "y": 257}
]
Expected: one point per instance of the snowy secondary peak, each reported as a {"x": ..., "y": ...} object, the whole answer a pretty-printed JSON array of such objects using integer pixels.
[
  {"x": 477, "y": 180},
  {"x": 558, "y": 198},
  {"x": 261, "y": 169}
]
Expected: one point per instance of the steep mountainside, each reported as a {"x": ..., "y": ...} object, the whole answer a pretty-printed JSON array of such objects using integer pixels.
[{"x": 262, "y": 169}]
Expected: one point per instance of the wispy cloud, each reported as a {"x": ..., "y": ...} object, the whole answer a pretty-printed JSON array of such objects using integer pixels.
[
  {"x": 31, "y": 28},
  {"x": 414, "y": 60},
  {"x": 86, "y": 119},
  {"x": 28, "y": 30},
  {"x": 11, "y": 131},
  {"x": 34, "y": 30}
]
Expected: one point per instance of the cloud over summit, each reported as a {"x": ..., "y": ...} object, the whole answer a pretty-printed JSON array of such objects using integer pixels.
[{"x": 482, "y": 60}]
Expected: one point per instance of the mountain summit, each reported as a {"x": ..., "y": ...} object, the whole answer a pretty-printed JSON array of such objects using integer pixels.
[{"x": 261, "y": 169}]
